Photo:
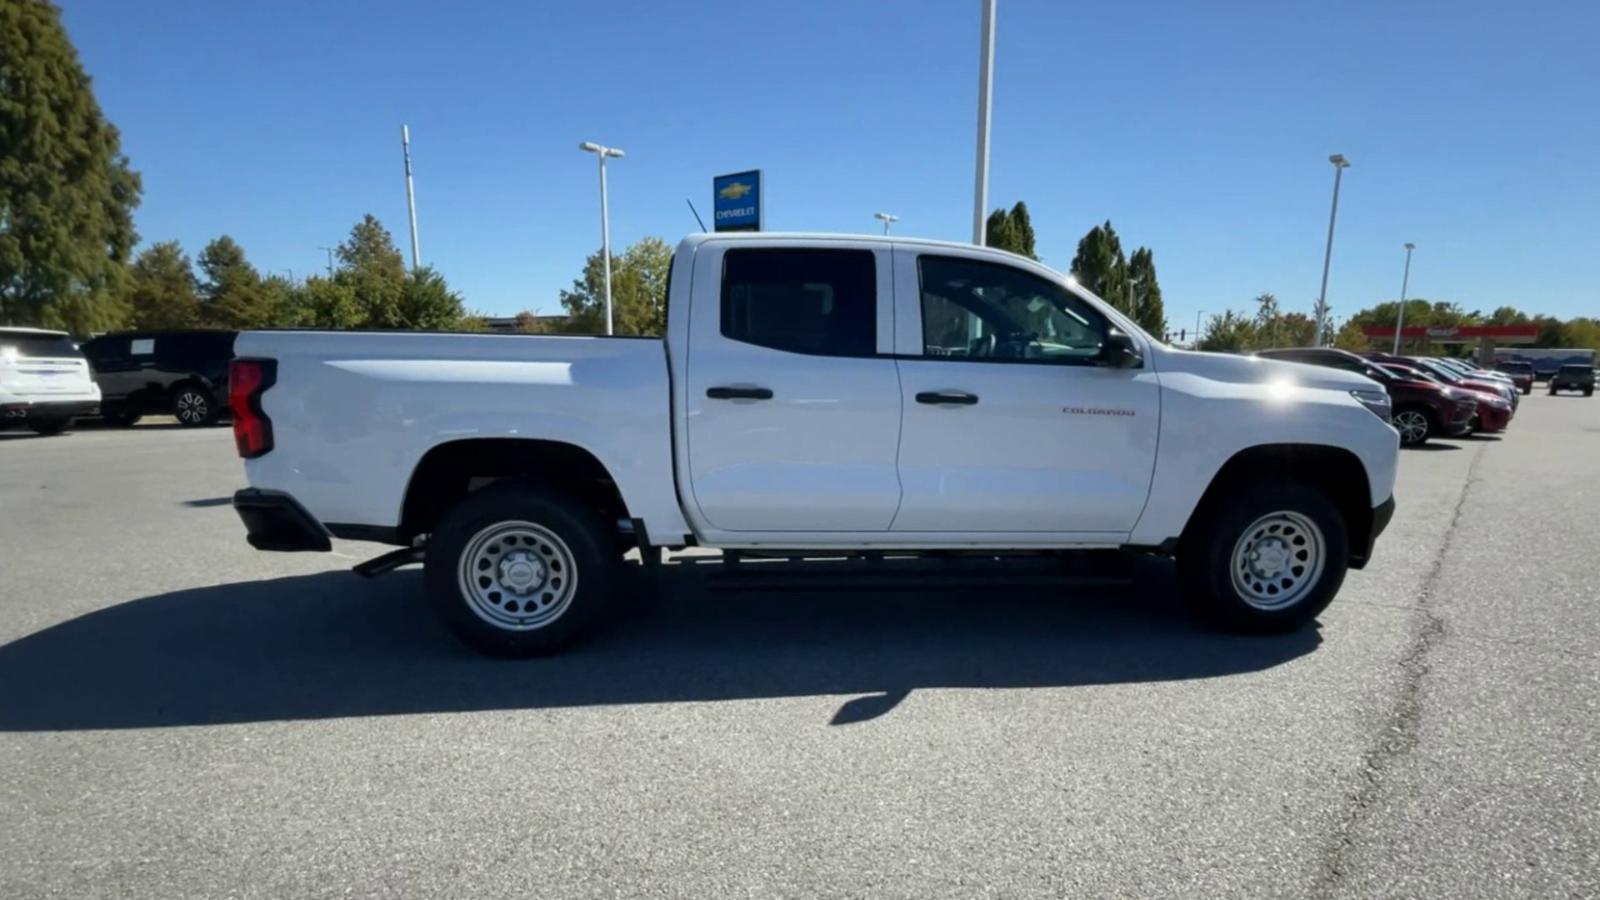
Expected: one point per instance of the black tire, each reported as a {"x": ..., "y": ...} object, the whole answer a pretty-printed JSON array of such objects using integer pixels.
[
  {"x": 1588, "y": 392},
  {"x": 1401, "y": 418},
  {"x": 1206, "y": 557},
  {"x": 589, "y": 548},
  {"x": 120, "y": 418},
  {"x": 48, "y": 427},
  {"x": 193, "y": 406}
]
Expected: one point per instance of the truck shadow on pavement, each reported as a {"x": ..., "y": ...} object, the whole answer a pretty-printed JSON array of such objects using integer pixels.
[{"x": 334, "y": 645}]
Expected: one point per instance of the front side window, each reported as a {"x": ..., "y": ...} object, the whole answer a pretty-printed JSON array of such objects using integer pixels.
[
  {"x": 822, "y": 302},
  {"x": 992, "y": 312}
]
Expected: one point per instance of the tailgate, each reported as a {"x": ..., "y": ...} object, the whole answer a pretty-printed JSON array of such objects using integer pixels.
[{"x": 33, "y": 378}]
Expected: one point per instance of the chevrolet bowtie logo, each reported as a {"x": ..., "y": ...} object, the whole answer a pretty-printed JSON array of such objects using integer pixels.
[{"x": 735, "y": 191}]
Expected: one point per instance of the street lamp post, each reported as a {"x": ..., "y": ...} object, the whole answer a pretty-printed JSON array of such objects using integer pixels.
[
  {"x": 980, "y": 188},
  {"x": 605, "y": 222},
  {"x": 1405, "y": 282},
  {"x": 330, "y": 259},
  {"x": 1339, "y": 165},
  {"x": 1197, "y": 317},
  {"x": 886, "y": 219}
]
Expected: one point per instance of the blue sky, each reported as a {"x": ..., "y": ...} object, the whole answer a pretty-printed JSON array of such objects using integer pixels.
[{"x": 1201, "y": 129}]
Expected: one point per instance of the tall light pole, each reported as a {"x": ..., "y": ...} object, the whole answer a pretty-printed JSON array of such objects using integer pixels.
[
  {"x": 1339, "y": 165},
  {"x": 980, "y": 188},
  {"x": 1197, "y": 317},
  {"x": 411, "y": 196},
  {"x": 605, "y": 222},
  {"x": 330, "y": 259},
  {"x": 1405, "y": 282},
  {"x": 886, "y": 219}
]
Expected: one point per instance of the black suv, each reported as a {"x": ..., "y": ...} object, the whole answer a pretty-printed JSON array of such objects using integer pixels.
[
  {"x": 181, "y": 373},
  {"x": 1573, "y": 378}
]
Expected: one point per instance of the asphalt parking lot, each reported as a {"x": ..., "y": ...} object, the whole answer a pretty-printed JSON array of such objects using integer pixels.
[{"x": 183, "y": 716}]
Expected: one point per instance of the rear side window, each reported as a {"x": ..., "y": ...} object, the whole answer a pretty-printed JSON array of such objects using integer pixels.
[
  {"x": 29, "y": 344},
  {"x": 822, "y": 302}
]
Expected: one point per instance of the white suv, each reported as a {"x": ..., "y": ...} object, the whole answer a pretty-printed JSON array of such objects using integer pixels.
[{"x": 44, "y": 380}]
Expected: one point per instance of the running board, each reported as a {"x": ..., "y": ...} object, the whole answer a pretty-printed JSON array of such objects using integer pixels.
[{"x": 388, "y": 562}]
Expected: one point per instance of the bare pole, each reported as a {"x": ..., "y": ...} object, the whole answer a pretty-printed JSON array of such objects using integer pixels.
[
  {"x": 980, "y": 189},
  {"x": 330, "y": 259},
  {"x": 1405, "y": 282},
  {"x": 1339, "y": 165},
  {"x": 411, "y": 196}
]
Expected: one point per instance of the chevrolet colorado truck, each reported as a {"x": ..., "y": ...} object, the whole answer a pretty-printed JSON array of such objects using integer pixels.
[{"x": 813, "y": 395}]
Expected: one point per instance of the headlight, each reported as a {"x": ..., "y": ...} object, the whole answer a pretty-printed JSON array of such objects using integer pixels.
[{"x": 1376, "y": 401}]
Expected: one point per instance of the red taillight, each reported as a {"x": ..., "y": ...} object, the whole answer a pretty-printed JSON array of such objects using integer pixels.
[{"x": 248, "y": 379}]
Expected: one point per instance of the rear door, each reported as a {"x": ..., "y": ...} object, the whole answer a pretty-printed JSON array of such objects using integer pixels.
[
  {"x": 792, "y": 403},
  {"x": 1010, "y": 422}
]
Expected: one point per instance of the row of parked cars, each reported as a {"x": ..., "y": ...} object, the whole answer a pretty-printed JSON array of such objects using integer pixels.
[
  {"x": 1432, "y": 396},
  {"x": 47, "y": 380}
]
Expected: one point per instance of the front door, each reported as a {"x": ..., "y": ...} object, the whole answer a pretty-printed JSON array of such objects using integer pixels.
[
  {"x": 1011, "y": 422},
  {"x": 792, "y": 406}
]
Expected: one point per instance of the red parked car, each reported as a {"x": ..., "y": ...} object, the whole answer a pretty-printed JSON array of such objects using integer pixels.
[
  {"x": 1422, "y": 408},
  {"x": 1493, "y": 412}
]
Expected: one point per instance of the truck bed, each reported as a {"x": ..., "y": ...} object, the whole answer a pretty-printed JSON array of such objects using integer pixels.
[{"x": 353, "y": 413}]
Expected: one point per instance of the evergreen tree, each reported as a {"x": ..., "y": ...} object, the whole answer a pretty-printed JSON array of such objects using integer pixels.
[
  {"x": 1100, "y": 268},
  {"x": 1148, "y": 310},
  {"x": 427, "y": 303},
  {"x": 232, "y": 294},
  {"x": 1012, "y": 231},
  {"x": 163, "y": 292},
  {"x": 66, "y": 191}
]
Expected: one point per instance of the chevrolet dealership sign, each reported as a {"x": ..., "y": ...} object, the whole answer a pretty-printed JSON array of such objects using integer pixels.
[{"x": 736, "y": 202}]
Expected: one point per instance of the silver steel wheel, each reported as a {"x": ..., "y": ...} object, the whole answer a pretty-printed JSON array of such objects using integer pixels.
[
  {"x": 1412, "y": 425},
  {"x": 519, "y": 576},
  {"x": 1277, "y": 560},
  {"x": 191, "y": 407}
]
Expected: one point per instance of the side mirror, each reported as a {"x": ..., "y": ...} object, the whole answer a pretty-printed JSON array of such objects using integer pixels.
[{"x": 1117, "y": 351}]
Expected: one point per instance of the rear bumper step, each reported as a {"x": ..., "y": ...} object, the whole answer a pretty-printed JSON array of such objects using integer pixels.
[{"x": 274, "y": 520}]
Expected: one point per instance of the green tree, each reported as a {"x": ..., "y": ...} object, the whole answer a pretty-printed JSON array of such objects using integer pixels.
[
  {"x": 232, "y": 294},
  {"x": 1100, "y": 267},
  {"x": 998, "y": 233},
  {"x": 323, "y": 303},
  {"x": 1351, "y": 337},
  {"x": 1148, "y": 310},
  {"x": 1229, "y": 333},
  {"x": 426, "y": 302},
  {"x": 638, "y": 291},
  {"x": 162, "y": 288},
  {"x": 67, "y": 193}
]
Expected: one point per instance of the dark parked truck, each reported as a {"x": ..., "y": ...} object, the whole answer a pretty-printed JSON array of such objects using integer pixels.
[
  {"x": 813, "y": 394},
  {"x": 1573, "y": 378}
]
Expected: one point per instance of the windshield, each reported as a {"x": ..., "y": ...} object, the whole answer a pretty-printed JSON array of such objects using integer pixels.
[
  {"x": 36, "y": 344},
  {"x": 1442, "y": 371},
  {"x": 1576, "y": 370}
]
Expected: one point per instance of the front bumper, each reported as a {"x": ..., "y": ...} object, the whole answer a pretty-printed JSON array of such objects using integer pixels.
[
  {"x": 1382, "y": 514},
  {"x": 1492, "y": 418},
  {"x": 19, "y": 410},
  {"x": 274, "y": 520}
]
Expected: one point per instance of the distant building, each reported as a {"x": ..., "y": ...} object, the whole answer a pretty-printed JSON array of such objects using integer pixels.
[{"x": 509, "y": 324}]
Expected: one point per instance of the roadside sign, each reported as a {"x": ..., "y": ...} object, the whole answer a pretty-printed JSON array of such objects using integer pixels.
[{"x": 736, "y": 202}]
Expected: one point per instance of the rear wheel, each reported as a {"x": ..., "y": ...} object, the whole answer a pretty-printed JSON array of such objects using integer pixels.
[
  {"x": 48, "y": 427},
  {"x": 193, "y": 406},
  {"x": 1267, "y": 560},
  {"x": 1414, "y": 425},
  {"x": 516, "y": 571}
]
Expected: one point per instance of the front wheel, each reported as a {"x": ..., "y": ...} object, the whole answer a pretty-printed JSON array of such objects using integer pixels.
[
  {"x": 1267, "y": 560},
  {"x": 516, "y": 571},
  {"x": 1414, "y": 426}
]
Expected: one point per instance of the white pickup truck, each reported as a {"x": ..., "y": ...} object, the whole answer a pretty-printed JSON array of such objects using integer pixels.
[{"x": 812, "y": 393}]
